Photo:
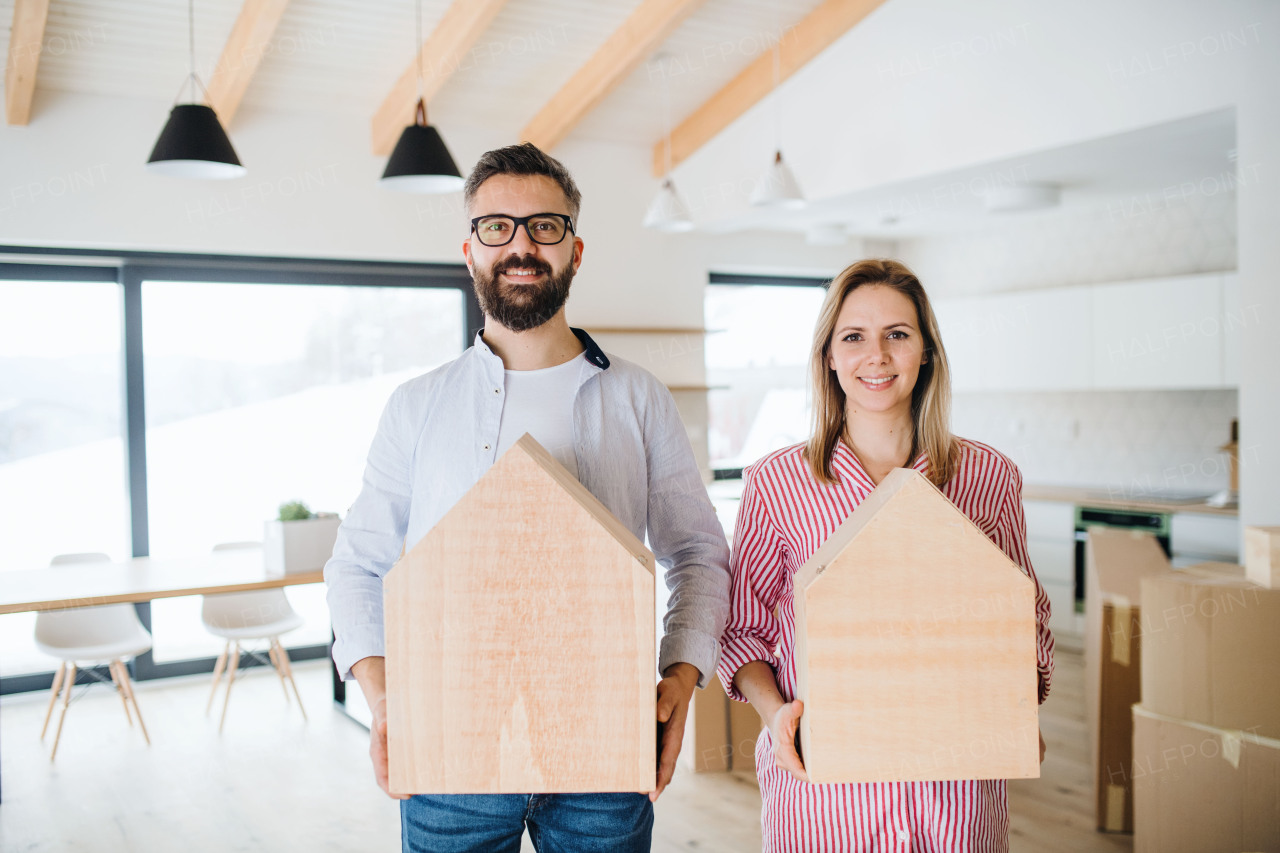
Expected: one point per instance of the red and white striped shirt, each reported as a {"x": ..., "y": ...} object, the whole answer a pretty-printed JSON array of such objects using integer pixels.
[{"x": 785, "y": 515}]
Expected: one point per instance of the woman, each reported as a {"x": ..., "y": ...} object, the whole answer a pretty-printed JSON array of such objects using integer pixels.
[{"x": 882, "y": 398}]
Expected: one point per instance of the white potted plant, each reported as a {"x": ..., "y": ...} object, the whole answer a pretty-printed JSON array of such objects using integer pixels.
[{"x": 299, "y": 540}]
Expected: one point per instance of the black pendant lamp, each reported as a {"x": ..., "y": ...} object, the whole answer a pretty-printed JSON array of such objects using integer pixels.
[
  {"x": 420, "y": 162},
  {"x": 193, "y": 143}
]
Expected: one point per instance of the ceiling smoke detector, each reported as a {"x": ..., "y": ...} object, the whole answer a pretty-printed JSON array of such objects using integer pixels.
[
  {"x": 1022, "y": 197},
  {"x": 830, "y": 234}
]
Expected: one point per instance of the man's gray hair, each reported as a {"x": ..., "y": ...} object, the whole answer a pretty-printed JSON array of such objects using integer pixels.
[{"x": 523, "y": 159}]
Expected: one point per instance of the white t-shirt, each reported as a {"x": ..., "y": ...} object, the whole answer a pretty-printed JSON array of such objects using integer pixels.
[{"x": 540, "y": 402}]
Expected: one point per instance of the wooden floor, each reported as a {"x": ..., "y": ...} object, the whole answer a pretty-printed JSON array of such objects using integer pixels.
[{"x": 272, "y": 782}]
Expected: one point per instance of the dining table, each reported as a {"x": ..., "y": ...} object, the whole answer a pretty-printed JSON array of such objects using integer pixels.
[{"x": 143, "y": 579}]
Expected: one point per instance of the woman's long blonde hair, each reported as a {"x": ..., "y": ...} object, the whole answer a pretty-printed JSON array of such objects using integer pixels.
[{"x": 930, "y": 398}]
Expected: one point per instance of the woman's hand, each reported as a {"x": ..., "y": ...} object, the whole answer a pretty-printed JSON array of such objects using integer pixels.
[{"x": 783, "y": 729}]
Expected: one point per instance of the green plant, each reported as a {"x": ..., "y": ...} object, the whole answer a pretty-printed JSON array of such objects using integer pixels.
[{"x": 295, "y": 511}]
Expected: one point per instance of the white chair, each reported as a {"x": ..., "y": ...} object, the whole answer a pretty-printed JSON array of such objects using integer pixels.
[
  {"x": 107, "y": 633},
  {"x": 258, "y": 615}
]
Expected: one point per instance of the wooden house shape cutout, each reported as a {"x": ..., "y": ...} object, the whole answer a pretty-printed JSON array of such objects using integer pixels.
[
  {"x": 915, "y": 646},
  {"x": 520, "y": 642}
]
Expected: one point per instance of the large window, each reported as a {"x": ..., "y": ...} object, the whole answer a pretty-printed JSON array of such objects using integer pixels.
[
  {"x": 164, "y": 404},
  {"x": 62, "y": 471},
  {"x": 260, "y": 394},
  {"x": 759, "y": 357}
]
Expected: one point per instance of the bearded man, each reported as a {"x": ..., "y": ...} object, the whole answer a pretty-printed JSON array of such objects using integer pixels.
[{"x": 610, "y": 422}]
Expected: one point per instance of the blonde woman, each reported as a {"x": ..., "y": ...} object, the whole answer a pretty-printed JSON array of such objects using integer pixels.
[{"x": 882, "y": 399}]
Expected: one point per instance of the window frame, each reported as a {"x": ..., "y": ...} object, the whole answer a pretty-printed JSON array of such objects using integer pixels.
[
  {"x": 756, "y": 280},
  {"x": 129, "y": 269}
]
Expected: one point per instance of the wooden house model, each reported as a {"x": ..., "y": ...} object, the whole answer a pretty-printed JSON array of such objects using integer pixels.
[
  {"x": 520, "y": 642},
  {"x": 915, "y": 646}
]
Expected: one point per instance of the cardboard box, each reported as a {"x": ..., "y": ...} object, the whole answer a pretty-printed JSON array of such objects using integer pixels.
[
  {"x": 1202, "y": 789},
  {"x": 745, "y": 726},
  {"x": 915, "y": 646},
  {"x": 521, "y": 653},
  {"x": 296, "y": 547},
  {"x": 720, "y": 733},
  {"x": 1116, "y": 561},
  {"x": 706, "y": 733},
  {"x": 1262, "y": 556},
  {"x": 1210, "y": 641}
]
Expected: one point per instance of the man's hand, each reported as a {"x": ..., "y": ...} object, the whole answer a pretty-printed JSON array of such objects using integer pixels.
[
  {"x": 371, "y": 672},
  {"x": 674, "y": 692},
  {"x": 378, "y": 747},
  {"x": 783, "y": 729}
]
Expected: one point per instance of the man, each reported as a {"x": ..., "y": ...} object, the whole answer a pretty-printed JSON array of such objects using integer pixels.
[{"x": 608, "y": 421}]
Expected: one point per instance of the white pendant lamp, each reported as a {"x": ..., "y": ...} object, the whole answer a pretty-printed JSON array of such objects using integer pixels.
[
  {"x": 667, "y": 212},
  {"x": 420, "y": 162},
  {"x": 193, "y": 143},
  {"x": 777, "y": 187}
]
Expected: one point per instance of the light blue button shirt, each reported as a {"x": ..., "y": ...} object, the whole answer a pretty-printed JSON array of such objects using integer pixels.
[{"x": 439, "y": 434}]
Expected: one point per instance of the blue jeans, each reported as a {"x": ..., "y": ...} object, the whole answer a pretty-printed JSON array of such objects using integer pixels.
[{"x": 558, "y": 823}]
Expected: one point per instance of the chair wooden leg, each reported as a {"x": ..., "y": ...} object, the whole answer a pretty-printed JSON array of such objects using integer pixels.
[
  {"x": 288, "y": 670},
  {"x": 66, "y": 700},
  {"x": 275, "y": 652},
  {"x": 217, "y": 675},
  {"x": 231, "y": 680},
  {"x": 114, "y": 666},
  {"x": 53, "y": 697},
  {"x": 128, "y": 687}
]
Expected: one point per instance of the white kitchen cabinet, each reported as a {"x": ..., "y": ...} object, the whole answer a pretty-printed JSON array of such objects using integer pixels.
[
  {"x": 1051, "y": 546},
  {"x": 1181, "y": 332},
  {"x": 1025, "y": 341},
  {"x": 1062, "y": 608},
  {"x": 1161, "y": 333},
  {"x": 965, "y": 340},
  {"x": 1052, "y": 521},
  {"x": 1234, "y": 320},
  {"x": 1039, "y": 340},
  {"x": 1196, "y": 537},
  {"x": 1054, "y": 562}
]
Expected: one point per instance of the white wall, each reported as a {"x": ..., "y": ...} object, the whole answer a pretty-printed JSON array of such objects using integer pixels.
[
  {"x": 74, "y": 178},
  {"x": 1185, "y": 235},
  {"x": 1134, "y": 444},
  {"x": 926, "y": 86},
  {"x": 922, "y": 86}
]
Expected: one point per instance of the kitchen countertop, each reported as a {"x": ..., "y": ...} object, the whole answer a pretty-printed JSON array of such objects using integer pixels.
[{"x": 1099, "y": 498}]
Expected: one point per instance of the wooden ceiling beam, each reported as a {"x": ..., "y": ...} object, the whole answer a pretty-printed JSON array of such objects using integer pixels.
[
  {"x": 249, "y": 42},
  {"x": 632, "y": 43},
  {"x": 26, "y": 40},
  {"x": 796, "y": 47},
  {"x": 441, "y": 54}
]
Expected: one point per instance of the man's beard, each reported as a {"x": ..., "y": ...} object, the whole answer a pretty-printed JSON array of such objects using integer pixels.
[{"x": 521, "y": 307}]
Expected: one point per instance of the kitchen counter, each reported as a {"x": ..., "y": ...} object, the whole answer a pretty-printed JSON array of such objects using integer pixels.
[{"x": 1104, "y": 499}]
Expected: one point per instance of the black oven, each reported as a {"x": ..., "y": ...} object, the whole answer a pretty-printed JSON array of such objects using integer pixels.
[{"x": 1157, "y": 523}]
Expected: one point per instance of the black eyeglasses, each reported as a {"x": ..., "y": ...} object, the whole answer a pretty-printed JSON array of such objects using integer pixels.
[{"x": 547, "y": 229}]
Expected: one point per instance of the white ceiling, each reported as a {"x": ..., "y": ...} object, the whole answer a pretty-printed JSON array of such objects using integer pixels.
[
  {"x": 342, "y": 56},
  {"x": 1148, "y": 167}
]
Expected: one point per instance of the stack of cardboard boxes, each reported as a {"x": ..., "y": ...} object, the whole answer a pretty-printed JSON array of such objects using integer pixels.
[
  {"x": 1205, "y": 768},
  {"x": 1116, "y": 562}
]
